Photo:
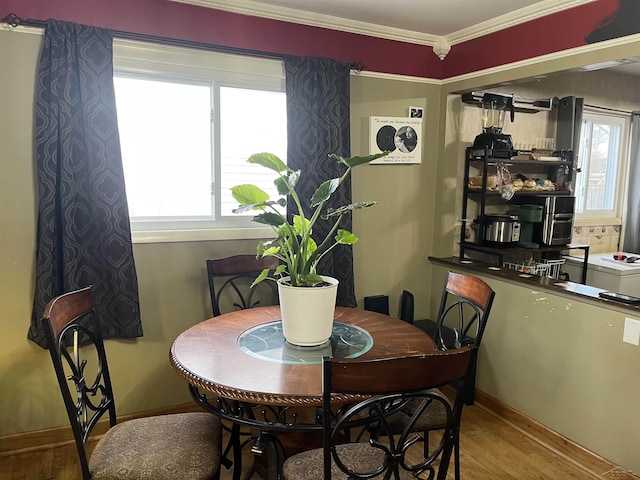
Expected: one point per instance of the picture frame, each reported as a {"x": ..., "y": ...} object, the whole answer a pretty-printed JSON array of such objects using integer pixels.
[
  {"x": 416, "y": 112},
  {"x": 401, "y": 136}
]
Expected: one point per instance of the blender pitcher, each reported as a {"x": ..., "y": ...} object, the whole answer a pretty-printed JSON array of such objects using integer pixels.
[{"x": 494, "y": 110}]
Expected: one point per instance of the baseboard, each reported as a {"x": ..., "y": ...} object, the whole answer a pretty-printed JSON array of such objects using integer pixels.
[
  {"x": 572, "y": 452},
  {"x": 55, "y": 437},
  {"x": 559, "y": 444}
]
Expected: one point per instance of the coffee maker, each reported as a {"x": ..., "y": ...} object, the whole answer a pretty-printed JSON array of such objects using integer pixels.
[{"x": 494, "y": 109}]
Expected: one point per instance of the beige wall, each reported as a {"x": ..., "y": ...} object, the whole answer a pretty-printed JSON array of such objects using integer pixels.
[
  {"x": 396, "y": 234},
  {"x": 391, "y": 256}
]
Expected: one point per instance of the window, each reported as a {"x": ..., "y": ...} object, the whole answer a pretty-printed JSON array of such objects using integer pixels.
[
  {"x": 188, "y": 121},
  {"x": 599, "y": 186}
]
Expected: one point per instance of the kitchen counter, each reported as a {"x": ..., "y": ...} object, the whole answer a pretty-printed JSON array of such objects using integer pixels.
[
  {"x": 561, "y": 287},
  {"x": 603, "y": 271}
]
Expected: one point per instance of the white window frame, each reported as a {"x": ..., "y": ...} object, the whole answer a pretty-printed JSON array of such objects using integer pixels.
[
  {"x": 613, "y": 216},
  {"x": 142, "y": 58}
]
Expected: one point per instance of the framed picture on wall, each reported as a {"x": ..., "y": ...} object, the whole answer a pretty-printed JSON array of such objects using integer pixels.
[{"x": 402, "y": 136}]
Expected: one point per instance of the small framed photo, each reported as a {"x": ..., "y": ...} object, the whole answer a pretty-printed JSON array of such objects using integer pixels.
[{"x": 416, "y": 112}]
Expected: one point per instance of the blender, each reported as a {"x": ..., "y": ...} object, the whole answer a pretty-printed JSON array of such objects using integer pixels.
[{"x": 494, "y": 109}]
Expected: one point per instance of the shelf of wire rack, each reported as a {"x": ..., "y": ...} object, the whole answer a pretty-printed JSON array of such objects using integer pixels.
[{"x": 544, "y": 268}]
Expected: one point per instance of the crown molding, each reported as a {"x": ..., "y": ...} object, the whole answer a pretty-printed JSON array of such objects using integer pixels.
[
  {"x": 292, "y": 15},
  {"x": 595, "y": 47},
  {"x": 507, "y": 66},
  {"x": 286, "y": 14},
  {"x": 526, "y": 14}
]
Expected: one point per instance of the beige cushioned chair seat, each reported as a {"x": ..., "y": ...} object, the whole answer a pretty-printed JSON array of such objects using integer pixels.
[
  {"x": 360, "y": 457},
  {"x": 432, "y": 418},
  {"x": 185, "y": 446}
]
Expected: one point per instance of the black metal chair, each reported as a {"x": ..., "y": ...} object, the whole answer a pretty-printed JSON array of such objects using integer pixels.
[
  {"x": 230, "y": 289},
  {"x": 387, "y": 386},
  {"x": 462, "y": 317},
  {"x": 230, "y": 280},
  {"x": 171, "y": 447}
]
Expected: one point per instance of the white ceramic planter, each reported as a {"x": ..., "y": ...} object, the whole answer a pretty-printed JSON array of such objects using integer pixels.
[{"x": 307, "y": 312}]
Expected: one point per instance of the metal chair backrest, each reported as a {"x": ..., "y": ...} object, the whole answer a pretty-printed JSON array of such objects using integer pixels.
[
  {"x": 230, "y": 280},
  {"x": 79, "y": 360},
  {"x": 464, "y": 310},
  {"x": 389, "y": 386}
]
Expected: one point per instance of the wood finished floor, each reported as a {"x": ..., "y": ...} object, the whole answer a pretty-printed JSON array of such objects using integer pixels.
[{"x": 492, "y": 448}]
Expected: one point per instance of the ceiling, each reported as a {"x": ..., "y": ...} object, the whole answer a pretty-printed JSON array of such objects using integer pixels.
[
  {"x": 435, "y": 17},
  {"x": 415, "y": 21},
  {"x": 437, "y": 23}
]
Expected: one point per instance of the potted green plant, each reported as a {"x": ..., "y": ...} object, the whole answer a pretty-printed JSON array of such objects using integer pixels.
[{"x": 294, "y": 245}]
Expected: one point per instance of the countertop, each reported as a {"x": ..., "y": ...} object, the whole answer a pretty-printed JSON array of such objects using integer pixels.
[{"x": 562, "y": 287}]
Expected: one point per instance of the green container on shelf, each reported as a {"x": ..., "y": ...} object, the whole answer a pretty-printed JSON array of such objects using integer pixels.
[{"x": 530, "y": 213}]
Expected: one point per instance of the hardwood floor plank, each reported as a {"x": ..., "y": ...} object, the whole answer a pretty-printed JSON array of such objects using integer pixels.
[
  {"x": 552, "y": 440},
  {"x": 497, "y": 443}
]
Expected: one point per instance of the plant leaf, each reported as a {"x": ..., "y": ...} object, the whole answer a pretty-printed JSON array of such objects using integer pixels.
[
  {"x": 312, "y": 247},
  {"x": 270, "y": 161},
  {"x": 345, "y": 237},
  {"x": 312, "y": 279},
  {"x": 355, "y": 161},
  {"x": 254, "y": 206},
  {"x": 269, "y": 218},
  {"x": 270, "y": 251},
  {"x": 324, "y": 191},
  {"x": 300, "y": 224},
  {"x": 244, "y": 208},
  {"x": 334, "y": 212},
  {"x": 287, "y": 183},
  {"x": 280, "y": 269},
  {"x": 247, "y": 194},
  {"x": 263, "y": 274}
]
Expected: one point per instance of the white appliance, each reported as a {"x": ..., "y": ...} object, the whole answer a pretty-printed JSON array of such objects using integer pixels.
[{"x": 606, "y": 273}]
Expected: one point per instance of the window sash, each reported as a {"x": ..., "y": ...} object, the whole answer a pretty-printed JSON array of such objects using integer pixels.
[
  {"x": 613, "y": 177},
  {"x": 219, "y": 70}
]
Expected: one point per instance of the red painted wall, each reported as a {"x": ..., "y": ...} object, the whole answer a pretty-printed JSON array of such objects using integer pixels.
[
  {"x": 164, "y": 18},
  {"x": 553, "y": 33}
]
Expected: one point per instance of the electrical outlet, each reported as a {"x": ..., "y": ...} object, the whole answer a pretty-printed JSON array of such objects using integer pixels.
[{"x": 631, "y": 331}]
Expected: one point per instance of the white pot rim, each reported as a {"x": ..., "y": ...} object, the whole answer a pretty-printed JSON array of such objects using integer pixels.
[{"x": 332, "y": 281}]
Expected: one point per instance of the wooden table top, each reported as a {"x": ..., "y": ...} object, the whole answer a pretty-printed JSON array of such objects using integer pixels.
[{"x": 207, "y": 355}]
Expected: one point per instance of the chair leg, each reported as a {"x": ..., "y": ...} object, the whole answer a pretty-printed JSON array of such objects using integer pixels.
[
  {"x": 456, "y": 450},
  {"x": 456, "y": 454},
  {"x": 471, "y": 387},
  {"x": 425, "y": 435}
]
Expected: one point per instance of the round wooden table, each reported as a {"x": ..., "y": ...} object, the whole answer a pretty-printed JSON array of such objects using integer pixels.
[
  {"x": 262, "y": 393},
  {"x": 208, "y": 356}
]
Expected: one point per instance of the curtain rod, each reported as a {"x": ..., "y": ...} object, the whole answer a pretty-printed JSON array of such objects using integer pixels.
[
  {"x": 615, "y": 110},
  {"x": 14, "y": 21}
]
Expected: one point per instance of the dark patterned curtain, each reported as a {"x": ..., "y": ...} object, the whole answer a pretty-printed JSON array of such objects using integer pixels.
[
  {"x": 83, "y": 235},
  {"x": 318, "y": 124}
]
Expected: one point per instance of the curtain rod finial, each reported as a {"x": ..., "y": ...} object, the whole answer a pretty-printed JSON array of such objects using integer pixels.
[{"x": 12, "y": 19}]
